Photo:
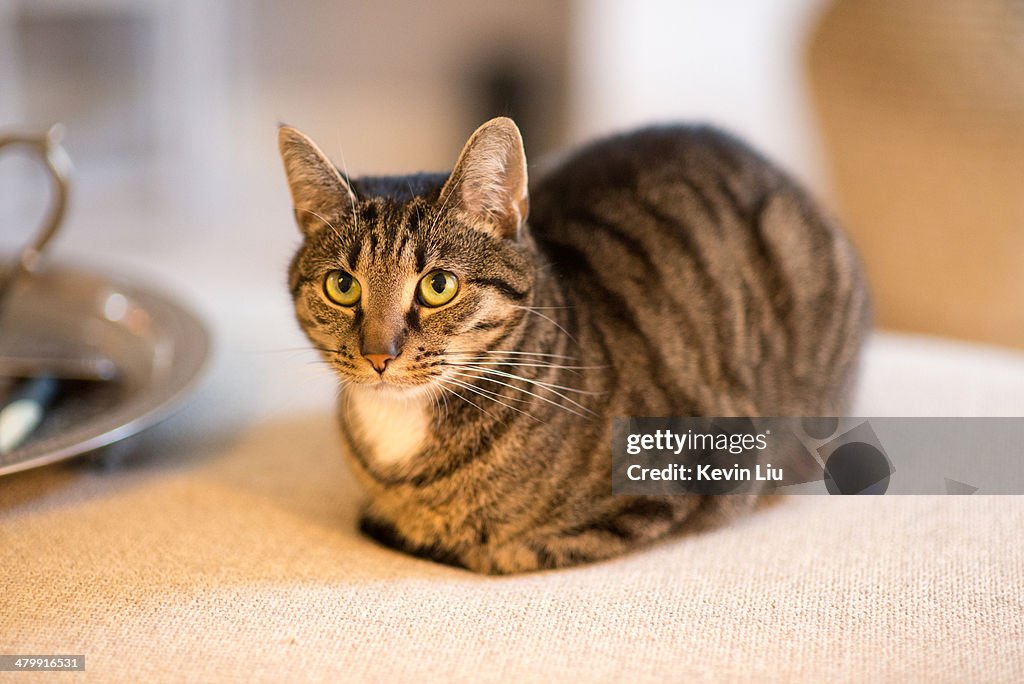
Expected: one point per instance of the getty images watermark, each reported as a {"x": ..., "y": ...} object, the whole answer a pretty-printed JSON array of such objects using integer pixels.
[{"x": 658, "y": 456}]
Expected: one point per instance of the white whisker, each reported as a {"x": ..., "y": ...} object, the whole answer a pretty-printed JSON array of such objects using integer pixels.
[
  {"x": 329, "y": 224},
  {"x": 485, "y": 361},
  {"x": 488, "y": 394},
  {"x": 553, "y": 322},
  {"x": 444, "y": 397},
  {"x": 432, "y": 396},
  {"x": 530, "y": 380},
  {"x": 450, "y": 391},
  {"x": 440, "y": 211},
  {"x": 284, "y": 350},
  {"x": 534, "y": 394},
  {"x": 351, "y": 192},
  {"x": 485, "y": 390},
  {"x": 521, "y": 353},
  {"x": 415, "y": 206}
]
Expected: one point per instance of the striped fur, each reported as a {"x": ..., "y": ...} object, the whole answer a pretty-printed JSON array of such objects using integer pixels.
[{"x": 670, "y": 271}]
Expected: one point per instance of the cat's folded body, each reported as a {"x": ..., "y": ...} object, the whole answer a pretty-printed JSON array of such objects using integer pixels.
[{"x": 671, "y": 271}]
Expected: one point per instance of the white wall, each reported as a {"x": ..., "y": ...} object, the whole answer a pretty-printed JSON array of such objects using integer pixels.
[{"x": 735, "y": 63}]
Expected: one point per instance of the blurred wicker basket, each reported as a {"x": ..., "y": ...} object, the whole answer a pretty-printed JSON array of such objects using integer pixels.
[{"x": 921, "y": 105}]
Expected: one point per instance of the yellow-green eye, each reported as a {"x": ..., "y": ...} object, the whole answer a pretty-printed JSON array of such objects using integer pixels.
[
  {"x": 342, "y": 288},
  {"x": 437, "y": 288}
]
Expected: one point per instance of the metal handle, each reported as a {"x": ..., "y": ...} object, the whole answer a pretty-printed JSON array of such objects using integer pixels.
[{"x": 58, "y": 164}]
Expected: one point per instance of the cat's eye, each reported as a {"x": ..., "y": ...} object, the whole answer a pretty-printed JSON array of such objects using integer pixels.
[
  {"x": 437, "y": 288},
  {"x": 341, "y": 288}
]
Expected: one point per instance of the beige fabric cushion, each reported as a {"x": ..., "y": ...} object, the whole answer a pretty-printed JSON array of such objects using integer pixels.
[
  {"x": 229, "y": 554},
  {"x": 921, "y": 106}
]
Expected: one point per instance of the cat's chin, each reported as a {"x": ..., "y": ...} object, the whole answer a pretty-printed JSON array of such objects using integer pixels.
[{"x": 392, "y": 390}]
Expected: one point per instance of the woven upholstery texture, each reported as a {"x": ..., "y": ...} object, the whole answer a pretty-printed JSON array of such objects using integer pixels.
[{"x": 225, "y": 549}]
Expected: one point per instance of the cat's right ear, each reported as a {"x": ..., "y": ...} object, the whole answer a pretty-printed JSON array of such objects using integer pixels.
[{"x": 320, "y": 195}]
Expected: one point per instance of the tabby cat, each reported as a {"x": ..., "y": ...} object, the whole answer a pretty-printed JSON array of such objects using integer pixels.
[{"x": 670, "y": 271}]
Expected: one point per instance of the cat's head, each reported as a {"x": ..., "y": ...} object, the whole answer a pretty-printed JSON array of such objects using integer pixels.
[{"x": 398, "y": 278}]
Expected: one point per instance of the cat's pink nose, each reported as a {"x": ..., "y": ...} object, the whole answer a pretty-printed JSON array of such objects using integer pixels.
[{"x": 378, "y": 361}]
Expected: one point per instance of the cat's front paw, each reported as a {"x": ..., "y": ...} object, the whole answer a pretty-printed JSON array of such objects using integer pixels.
[
  {"x": 388, "y": 535},
  {"x": 510, "y": 559}
]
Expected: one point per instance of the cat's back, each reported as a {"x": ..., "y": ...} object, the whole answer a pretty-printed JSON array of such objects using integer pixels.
[
  {"x": 625, "y": 157},
  {"x": 692, "y": 172},
  {"x": 645, "y": 199},
  {"x": 683, "y": 241}
]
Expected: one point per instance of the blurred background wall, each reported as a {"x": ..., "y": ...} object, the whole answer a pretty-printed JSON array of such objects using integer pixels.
[
  {"x": 921, "y": 105},
  {"x": 171, "y": 107}
]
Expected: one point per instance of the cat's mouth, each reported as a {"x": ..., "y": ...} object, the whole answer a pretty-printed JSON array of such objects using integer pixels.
[
  {"x": 396, "y": 384},
  {"x": 397, "y": 390}
]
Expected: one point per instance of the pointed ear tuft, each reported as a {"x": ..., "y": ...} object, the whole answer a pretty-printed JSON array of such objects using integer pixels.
[
  {"x": 488, "y": 186},
  {"x": 319, "y": 193}
]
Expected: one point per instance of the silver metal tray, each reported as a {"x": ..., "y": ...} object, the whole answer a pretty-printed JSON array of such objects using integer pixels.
[{"x": 158, "y": 347}]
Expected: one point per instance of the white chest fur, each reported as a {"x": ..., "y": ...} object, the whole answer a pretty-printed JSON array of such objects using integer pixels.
[{"x": 392, "y": 427}]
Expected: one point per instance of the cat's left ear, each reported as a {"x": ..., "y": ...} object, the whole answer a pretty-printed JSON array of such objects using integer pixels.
[
  {"x": 319, "y": 192},
  {"x": 488, "y": 186}
]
